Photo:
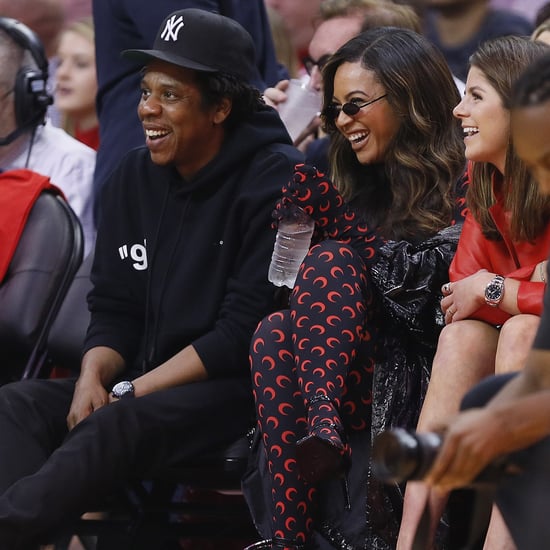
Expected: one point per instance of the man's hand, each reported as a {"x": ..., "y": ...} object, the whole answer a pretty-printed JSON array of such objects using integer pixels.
[
  {"x": 89, "y": 395},
  {"x": 472, "y": 441},
  {"x": 100, "y": 366}
]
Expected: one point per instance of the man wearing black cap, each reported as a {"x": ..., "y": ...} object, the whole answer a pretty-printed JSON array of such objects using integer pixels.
[
  {"x": 179, "y": 285},
  {"x": 124, "y": 24}
]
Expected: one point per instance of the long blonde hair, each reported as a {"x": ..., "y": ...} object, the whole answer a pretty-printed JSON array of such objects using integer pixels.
[{"x": 85, "y": 28}]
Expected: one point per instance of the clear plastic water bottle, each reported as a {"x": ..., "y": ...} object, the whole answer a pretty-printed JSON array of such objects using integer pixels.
[{"x": 291, "y": 246}]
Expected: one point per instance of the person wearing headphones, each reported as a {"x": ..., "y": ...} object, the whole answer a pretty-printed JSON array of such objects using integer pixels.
[{"x": 27, "y": 139}]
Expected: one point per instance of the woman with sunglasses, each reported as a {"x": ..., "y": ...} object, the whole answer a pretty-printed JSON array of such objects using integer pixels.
[{"x": 351, "y": 355}]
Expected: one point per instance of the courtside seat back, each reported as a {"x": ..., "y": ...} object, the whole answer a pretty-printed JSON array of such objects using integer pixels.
[{"x": 45, "y": 261}]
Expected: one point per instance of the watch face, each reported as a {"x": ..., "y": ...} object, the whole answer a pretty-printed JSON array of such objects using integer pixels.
[
  {"x": 123, "y": 389},
  {"x": 493, "y": 292}
]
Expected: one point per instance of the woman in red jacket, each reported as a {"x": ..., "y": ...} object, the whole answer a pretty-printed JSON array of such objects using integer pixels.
[{"x": 493, "y": 302}]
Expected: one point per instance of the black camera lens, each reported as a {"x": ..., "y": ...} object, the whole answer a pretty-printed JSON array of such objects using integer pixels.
[{"x": 400, "y": 455}]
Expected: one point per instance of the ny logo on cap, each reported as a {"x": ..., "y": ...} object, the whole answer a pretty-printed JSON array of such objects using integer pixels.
[{"x": 172, "y": 28}]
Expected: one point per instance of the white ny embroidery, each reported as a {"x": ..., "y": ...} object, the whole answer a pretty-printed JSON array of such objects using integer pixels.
[{"x": 172, "y": 28}]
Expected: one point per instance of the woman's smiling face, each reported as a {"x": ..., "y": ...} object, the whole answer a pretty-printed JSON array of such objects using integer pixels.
[
  {"x": 485, "y": 121},
  {"x": 372, "y": 129}
]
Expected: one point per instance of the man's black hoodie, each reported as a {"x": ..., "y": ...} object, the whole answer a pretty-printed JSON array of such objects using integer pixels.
[{"x": 182, "y": 262}]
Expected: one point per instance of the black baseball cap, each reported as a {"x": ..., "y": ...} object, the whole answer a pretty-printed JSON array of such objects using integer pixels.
[{"x": 201, "y": 40}]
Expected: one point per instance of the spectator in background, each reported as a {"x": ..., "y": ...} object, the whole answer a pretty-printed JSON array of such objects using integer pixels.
[
  {"x": 27, "y": 140},
  {"x": 76, "y": 86},
  {"x": 340, "y": 20},
  {"x": 124, "y": 24},
  {"x": 298, "y": 17},
  {"x": 458, "y": 27},
  {"x": 46, "y": 18},
  {"x": 284, "y": 49}
]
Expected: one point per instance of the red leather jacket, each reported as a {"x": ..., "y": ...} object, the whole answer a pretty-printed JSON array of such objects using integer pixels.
[{"x": 516, "y": 260}]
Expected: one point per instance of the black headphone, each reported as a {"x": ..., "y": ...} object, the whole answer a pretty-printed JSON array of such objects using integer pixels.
[{"x": 30, "y": 88}]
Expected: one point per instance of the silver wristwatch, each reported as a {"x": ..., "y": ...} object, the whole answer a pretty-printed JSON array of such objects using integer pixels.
[
  {"x": 494, "y": 291},
  {"x": 123, "y": 390}
]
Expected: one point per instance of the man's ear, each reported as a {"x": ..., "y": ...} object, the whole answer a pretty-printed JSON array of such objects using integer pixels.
[{"x": 222, "y": 110}]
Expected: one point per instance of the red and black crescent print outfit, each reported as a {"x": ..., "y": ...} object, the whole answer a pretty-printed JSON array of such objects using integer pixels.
[
  {"x": 297, "y": 352},
  {"x": 320, "y": 345},
  {"x": 325, "y": 343}
]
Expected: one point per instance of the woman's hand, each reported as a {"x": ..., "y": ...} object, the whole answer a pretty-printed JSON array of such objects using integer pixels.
[
  {"x": 312, "y": 191},
  {"x": 462, "y": 298}
]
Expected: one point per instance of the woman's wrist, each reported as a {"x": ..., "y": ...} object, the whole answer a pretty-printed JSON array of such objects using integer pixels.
[{"x": 494, "y": 291}]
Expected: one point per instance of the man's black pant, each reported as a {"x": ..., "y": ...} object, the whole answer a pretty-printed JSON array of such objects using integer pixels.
[{"x": 48, "y": 476}]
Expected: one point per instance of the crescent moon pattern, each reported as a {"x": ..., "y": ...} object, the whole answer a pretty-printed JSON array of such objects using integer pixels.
[{"x": 322, "y": 344}]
